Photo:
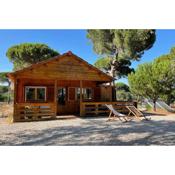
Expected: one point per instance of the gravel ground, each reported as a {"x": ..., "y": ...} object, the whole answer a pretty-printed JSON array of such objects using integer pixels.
[{"x": 160, "y": 130}]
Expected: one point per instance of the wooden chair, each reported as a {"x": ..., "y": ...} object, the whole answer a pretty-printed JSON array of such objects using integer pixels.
[
  {"x": 114, "y": 114},
  {"x": 133, "y": 110}
]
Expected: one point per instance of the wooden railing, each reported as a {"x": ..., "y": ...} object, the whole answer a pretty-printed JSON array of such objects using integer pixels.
[
  {"x": 99, "y": 108},
  {"x": 34, "y": 111}
]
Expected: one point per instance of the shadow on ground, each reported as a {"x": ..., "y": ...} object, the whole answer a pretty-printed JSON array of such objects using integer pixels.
[{"x": 98, "y": 132}]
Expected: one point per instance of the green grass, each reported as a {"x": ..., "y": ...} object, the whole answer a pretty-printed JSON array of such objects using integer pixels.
[{"x": 148, "y": 107}]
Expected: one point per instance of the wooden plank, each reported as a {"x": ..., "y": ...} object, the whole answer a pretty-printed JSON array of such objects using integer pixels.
[
  {"x": 81, "y": 98},
  {"x": 97, "y": 108},
  {"x": 37, "y": 114},
  {"x": 120, "y": 103},
  {"x": 63, "y": 76},
  {"x": 65, "y": 69},
  {"x": 55, "y": 97},
  {"x": 34, "y": 111},
  {"x": 35, "y": 104},
  {"x": 14, "y": 101}
]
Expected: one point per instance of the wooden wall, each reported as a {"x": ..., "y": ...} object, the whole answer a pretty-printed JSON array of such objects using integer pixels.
[
  {"x": 21, "y": 83},
  {"x": 106, "y": 93},
  {"x": 65, "y": 68}
]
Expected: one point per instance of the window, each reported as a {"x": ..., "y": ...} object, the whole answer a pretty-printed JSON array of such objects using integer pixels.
[
  {"x": 87, "y": 93},
  {"x": 30, "y": 94},
  {"x": 77, "y": 93},
  {"x": 62, "y": 96},
  {"x": 33, "y": 93},
  {"x": 40, "y": 94}
]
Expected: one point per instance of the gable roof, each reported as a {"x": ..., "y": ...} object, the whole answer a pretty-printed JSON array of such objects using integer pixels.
[{"x": 104, "y": 76}]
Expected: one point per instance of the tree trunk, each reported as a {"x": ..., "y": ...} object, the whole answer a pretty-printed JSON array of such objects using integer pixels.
[
  {"x": 112, "y": 71},
  {"x": 112, "y": 74},
  {"x": 168, "y": 99},
  {"x": 154, "y": 107}
]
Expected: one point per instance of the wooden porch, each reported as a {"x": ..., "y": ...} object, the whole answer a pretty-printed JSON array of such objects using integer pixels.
[
  {"x": 99, "y": 108},
  {"x": 50, "y": 107},
  {"x": 45, "y": 111},
  {"x": 34, "y": 111}
]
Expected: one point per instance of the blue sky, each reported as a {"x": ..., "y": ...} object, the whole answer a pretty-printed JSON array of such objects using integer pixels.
[{"x": 76, "y": 41}]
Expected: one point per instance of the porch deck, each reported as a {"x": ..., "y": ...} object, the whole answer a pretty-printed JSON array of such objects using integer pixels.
[
  {"x": 34, "y": 111},
  {"x": 99, "y": 108},
  {"x": 45, "y": 111}
]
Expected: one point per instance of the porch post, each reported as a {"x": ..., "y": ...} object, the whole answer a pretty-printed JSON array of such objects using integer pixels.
[
  {"x": 81, "y": 99},
  {"x": 15, "y": 91},
  {"x": 55, "y": 97},
  {"x": 14, "y": 99}
]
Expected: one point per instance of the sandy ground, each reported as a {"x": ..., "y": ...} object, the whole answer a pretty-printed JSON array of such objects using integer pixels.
[
  {"x": 5, "y": 109},
  {"x": 160, "y": 130}
]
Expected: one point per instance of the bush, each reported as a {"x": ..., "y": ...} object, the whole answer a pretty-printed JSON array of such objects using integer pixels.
[
  {"x": 123, "y": 95},
  {"x": 4, "y": 97},
  {"x": 3, "y": 89}
]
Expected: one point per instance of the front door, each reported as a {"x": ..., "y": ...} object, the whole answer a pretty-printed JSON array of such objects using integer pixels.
[{"x": 65, "y": 101}]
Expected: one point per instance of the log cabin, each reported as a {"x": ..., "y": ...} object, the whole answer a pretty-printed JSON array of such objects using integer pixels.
[{"x": 62, "y": 85}]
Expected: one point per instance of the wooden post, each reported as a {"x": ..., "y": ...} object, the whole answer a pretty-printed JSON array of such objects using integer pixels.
[
  {"x": 14, "y": 100},
  {"x": 81, "y": 99},
  {"x": 55, "y": 96}
]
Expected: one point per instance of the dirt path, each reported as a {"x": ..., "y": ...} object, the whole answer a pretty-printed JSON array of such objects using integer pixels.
[{"x": 91, "y": 131}]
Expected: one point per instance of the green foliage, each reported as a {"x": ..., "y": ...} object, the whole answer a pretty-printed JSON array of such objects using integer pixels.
[
  {"x": 172, "y": 53},
  {"x": 122, "y": 92},
  {"x": 170, "y": 56},
  {"x": 121, "y": 45},
  {"x": 3, "y": 77},
  {"x": 167, "y": 71},
  {"x": 127, "y": 43},
  {"x": 169, "y": 92},
  {"x": 122, "y": 95},
  {"x": 3, "y": 97},
  {"x": 3, "y": 89},
  {"x": 122, "y": 67},
  {"x": 163, "y": 58},
  {"x": 151, "y": 80},
  {"x": 3, "y": 93},
  {"x": 122, "y": 86},
  {"x": 148, "y": 107},
  {"x": 103, "y": 63},
  {"x": 25, "y": 54}
]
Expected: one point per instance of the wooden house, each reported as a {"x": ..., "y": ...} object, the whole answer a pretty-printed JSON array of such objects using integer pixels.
[
  {"x": 65, "y": 84},
  {"x": 62, "y": 85}
]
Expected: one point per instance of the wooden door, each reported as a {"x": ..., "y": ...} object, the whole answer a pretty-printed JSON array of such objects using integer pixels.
[
  {"x": 61, "y": 100},
  {"x": 66, "y": 101}
]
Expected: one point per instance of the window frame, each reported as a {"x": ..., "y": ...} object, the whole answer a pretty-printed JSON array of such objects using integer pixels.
[
  {"x": 58, "y": 88},
  {"x": 76, "y": 89},
  {"x": 92, "y": 89},
  {"x": 36, "y": 87},
  {"x": 87, "y": 99}
]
